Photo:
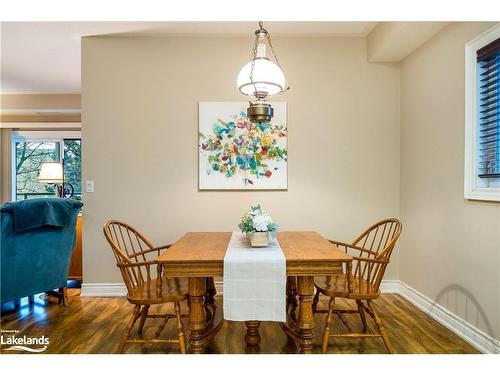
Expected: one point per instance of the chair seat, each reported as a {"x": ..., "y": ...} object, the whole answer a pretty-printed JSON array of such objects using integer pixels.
[
  {"x": 336, "y": 286},
  {"x": 172, "y": 289}
]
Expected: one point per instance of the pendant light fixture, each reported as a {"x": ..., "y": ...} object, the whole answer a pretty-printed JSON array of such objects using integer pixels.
[{"x": 261, "y": 78}]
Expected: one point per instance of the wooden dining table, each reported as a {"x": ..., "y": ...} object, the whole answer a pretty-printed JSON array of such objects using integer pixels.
[{"x": 199, "y": 256}]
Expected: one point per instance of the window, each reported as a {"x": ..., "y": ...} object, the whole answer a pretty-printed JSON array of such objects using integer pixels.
[
  {"x": 482, "y": 117},
  {"x": 31, "y": 149},
  {"x": 488, "y": 64}
]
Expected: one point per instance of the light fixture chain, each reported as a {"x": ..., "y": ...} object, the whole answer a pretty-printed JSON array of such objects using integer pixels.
[
  {"x": 254, "y": 55},
  {"x": 276, "y": 59},
  {"x": 262, "y": 36}
]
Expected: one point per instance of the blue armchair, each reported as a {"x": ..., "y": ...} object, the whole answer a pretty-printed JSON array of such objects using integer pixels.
[{"x": 36, "y": 244}]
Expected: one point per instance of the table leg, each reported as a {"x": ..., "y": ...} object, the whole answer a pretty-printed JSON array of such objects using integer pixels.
[
  {"x": 305, "y": 286},
  {"x": 197, "y": 320},
  {"x": 291, "y": 296},
  {"x": 209, "y": 298},
  {"x": 252, "y": 337},
  {"x": 211, "y": 291}
]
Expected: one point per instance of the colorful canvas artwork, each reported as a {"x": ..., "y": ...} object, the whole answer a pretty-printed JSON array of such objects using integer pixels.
[{"x": 237, "y": 154}]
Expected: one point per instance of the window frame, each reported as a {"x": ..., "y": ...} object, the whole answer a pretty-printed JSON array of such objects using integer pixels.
[
  {"x": 37, "y": 136},
  {"x": 472, "y": 184}
]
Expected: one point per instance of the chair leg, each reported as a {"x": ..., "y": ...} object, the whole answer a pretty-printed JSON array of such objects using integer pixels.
[
  {"x": 161, "y": 327},
  {"x": 381, "y": 328},
  {"x": 180, "y": 328},
  {"x": 144, "y": 315},
  {"x": 361, "y": 310},
  {"x": 64, "y": 296},
  {"x": 315, "y": 301},
  {"x": 326, "y": 331},
  {"x": 129, "y": 327}
]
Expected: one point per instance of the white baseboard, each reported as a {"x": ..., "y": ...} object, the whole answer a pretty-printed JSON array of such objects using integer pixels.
[
  {"x": 219, "y": 285},
  {"x": 474, "y": 336},
  {"x": 389, "y": 286},
  {"x": 103, "y": 290},
  {"x": 119, "y": 289}
]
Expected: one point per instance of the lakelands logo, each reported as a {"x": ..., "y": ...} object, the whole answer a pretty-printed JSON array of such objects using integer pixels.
[{"x": 22, "y": 343}]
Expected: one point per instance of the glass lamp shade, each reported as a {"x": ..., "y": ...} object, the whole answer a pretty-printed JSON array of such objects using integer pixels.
[
  {"x": 51, "y": 173},
  {"x": 268, "y": 79}
]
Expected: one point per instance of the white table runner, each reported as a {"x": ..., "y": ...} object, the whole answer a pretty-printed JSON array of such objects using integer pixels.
[{"x": 254, "y": 281}]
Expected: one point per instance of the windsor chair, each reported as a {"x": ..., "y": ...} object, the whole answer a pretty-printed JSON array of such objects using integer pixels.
[
  {"x": 371, "y": 254},
  {"x": 135, "y": 257}
]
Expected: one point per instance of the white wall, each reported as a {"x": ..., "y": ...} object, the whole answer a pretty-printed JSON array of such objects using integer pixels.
[
  {"x": 139, "y": 127},
  {"x": 139, "y": 109},
  {"x": 450, "y": 250}
]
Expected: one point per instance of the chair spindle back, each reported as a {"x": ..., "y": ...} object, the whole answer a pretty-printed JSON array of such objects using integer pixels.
[
  {"x": 377, "y": 244},
  {"x": 131, "y": 250}
]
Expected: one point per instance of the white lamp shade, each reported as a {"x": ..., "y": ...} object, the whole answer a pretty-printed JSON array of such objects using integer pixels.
[
  {"x": 267, "y": 78},
  {"x": 51, "y": 172}
]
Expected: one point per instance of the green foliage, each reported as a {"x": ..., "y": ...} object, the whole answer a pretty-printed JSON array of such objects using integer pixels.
[
  {"x": 256, "y": 219},
  {"x": 31, "y": 155}
]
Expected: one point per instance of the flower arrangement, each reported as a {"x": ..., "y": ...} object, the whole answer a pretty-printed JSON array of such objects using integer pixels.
[{"x": 258, "y": 225}]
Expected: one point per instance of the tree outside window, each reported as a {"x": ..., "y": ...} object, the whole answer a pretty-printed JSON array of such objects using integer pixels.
[{"x": 29, "y": 156}]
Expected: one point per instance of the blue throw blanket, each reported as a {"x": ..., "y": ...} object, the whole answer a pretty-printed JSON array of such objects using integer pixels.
[{"x": 41, "y": 212}]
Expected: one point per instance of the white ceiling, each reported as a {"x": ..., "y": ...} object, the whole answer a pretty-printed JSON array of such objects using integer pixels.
[{"x": 44, "y": 57}]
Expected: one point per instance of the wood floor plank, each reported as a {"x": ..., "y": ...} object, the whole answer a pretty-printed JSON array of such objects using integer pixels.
[{"x": 95, "y": 325}]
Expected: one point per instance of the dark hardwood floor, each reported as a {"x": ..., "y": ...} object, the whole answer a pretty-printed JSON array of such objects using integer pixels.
[{"x": 95, "y": 325}]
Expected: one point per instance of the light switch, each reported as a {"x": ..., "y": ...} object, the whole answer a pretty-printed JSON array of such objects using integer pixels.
[{"x": 89, "y": 186}]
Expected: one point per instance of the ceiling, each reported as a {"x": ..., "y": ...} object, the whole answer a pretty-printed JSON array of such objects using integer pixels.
[{"x": 44, "y": 57}]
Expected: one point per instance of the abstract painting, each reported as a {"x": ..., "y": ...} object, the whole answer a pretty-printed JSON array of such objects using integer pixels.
[{"x": 237, "y": 154}]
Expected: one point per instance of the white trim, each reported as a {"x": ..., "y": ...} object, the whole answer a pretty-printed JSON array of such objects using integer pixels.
[
  {"x": 389, "y": 286},
  {"x": 46, "y": 135},
  {"x": 13, "y": 177},
  {"x": 41, "y": 111},
  {"x": 473, "y": 335},
  {"x": 471, "y": 190},
  {"x": 219, "y": 285},
  {"x": 107, "y": 289},
  {"x": 103, "y": 290},
  {"x": 41, "y": 125}
]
